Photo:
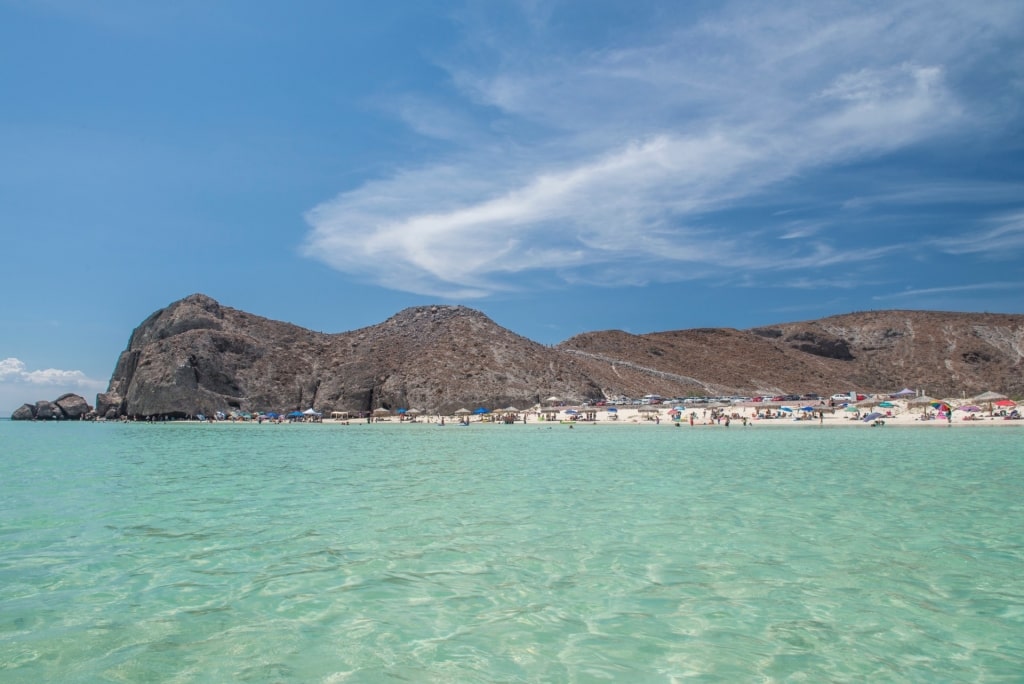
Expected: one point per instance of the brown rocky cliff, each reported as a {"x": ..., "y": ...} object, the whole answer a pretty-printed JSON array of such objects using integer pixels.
[{"x": 196, "y": 356}]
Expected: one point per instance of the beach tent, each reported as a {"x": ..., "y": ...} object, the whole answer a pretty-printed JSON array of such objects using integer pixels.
[
  {"x": 480, "y": 411},
  {"x": 905, "y": 392},
  {"x": 310, "y": 412}
]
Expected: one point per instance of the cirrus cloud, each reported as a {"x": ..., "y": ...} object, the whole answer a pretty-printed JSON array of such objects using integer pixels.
[{"x": 621, "y": 164}]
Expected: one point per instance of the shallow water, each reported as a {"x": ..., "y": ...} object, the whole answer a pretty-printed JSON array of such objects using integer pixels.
[{"x": 374, "y": 553}]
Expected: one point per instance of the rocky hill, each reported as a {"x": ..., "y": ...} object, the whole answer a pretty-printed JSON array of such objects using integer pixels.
[{"x": 197, "y": 356}]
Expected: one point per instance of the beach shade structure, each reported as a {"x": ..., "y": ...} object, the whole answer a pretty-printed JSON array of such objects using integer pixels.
[
  {"x": 272, "y": 415},
  {"x": 571, "y": 412},
  {"x": 463, "y": 412},
  {"x": 787, "y": 409},
  {"x": 970, "y": 408},
  {"x": 381, "y": 412},
  {"x": 413, "y": 412},
  {"x": 886, "y": 404},
  {"x": 612, "y": 409},
  {"x": 923, "y": 399},
  {"x": 874, "y": 415},
  {"x": 1005, "y": 403},
  {"x": 553, "y": 400},
  {"x": 310, "y": 412},
  {"x": 903, "y": 393},
  {"x": 807, "y": 409},
  {"x": 941, "y": 406},
  {"x": 480, "y": 411},
  {"x": 401, "y": 411},
  {"x": 851, "y": 409},
  {"x": 295, "y": 414},
  {"x": 988, "y": 398}
]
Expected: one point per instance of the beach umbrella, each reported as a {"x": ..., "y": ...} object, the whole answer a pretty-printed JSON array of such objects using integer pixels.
[
  {"x": 806, "y": 408},
  {"x": 787, "y": 409},
  {"x": 923, "y": 399},
  {"x": 381, "y": 412},
  {"x": 612, "y": 409},
  {"x": 969, "y": 409},
  {"x": 480, "y": 411},
  {"x": 272, "y": 414},
  {"x": 905, "y": 392},
  {"x": 401, "y": 410},
  {"x": 295, "y": 414},
  {"x": 1005, "y": 403},
  {"x": 886, "y": 404},
  {"x": 989, "y": 396},
  {"x": 571, "y": 412},
  {"x": 874, "y": 415},
  {"x": 941, "y": 406},
  {"x": 851, "y": 409},
  {"x": 463, "y": 412}
]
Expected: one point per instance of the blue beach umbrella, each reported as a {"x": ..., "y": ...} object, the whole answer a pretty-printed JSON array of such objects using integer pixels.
[
  {"x": 295, "y": 414},
  {"x": 807, "y": 408},
  {"x": 874, "y": 415},
  {"x": 786, "y": 409},
  {"x": 481, "y": 411}
]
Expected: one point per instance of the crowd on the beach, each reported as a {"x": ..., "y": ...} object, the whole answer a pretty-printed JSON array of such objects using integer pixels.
[{"x": 906, "y": 407}]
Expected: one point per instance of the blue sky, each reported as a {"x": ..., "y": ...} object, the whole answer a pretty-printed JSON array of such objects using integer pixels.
[{"x": 561, "y": 166}]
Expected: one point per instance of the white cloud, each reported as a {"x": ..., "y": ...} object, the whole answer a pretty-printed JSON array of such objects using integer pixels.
[
  {"x": 632, "y": 147},
  {"x": 13, "y": 371}
]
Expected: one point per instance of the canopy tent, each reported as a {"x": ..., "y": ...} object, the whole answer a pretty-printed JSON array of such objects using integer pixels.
[{"x": 905, "y": 392}]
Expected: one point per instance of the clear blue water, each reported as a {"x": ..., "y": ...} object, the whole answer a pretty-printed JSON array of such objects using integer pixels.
[{"x": 323, "y": 553}]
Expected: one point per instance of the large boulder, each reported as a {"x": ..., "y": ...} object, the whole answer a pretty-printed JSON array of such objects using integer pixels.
[
  {"x": 24, "y": 412},
  {"x": 73, "y": 406},
  {"x": 47, "y": 410}
]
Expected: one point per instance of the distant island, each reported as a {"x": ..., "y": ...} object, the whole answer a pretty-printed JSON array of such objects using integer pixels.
[{"x": 197, "y": 356}]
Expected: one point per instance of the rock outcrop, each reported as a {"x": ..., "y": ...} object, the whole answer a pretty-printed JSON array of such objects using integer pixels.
[
  {"x": 65, "y": 407},
  {"x": 196, "y": 356}
]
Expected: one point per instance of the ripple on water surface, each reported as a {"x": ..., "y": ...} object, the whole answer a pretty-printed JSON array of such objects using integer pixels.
[{"x": 509, "y": 553}]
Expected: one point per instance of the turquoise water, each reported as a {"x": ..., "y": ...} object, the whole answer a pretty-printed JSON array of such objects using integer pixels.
[{"x": 385, "y": 553}]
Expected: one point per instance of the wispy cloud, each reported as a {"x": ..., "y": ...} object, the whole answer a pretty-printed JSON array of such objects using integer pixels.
[
  {"x": 615, "y": 164},
  {"x": 1000, "y": 237},
  {"x": 952, "y": 289}
]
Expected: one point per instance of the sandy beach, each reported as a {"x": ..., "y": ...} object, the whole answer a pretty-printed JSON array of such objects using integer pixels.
[{"x": 743, "y": 415}]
